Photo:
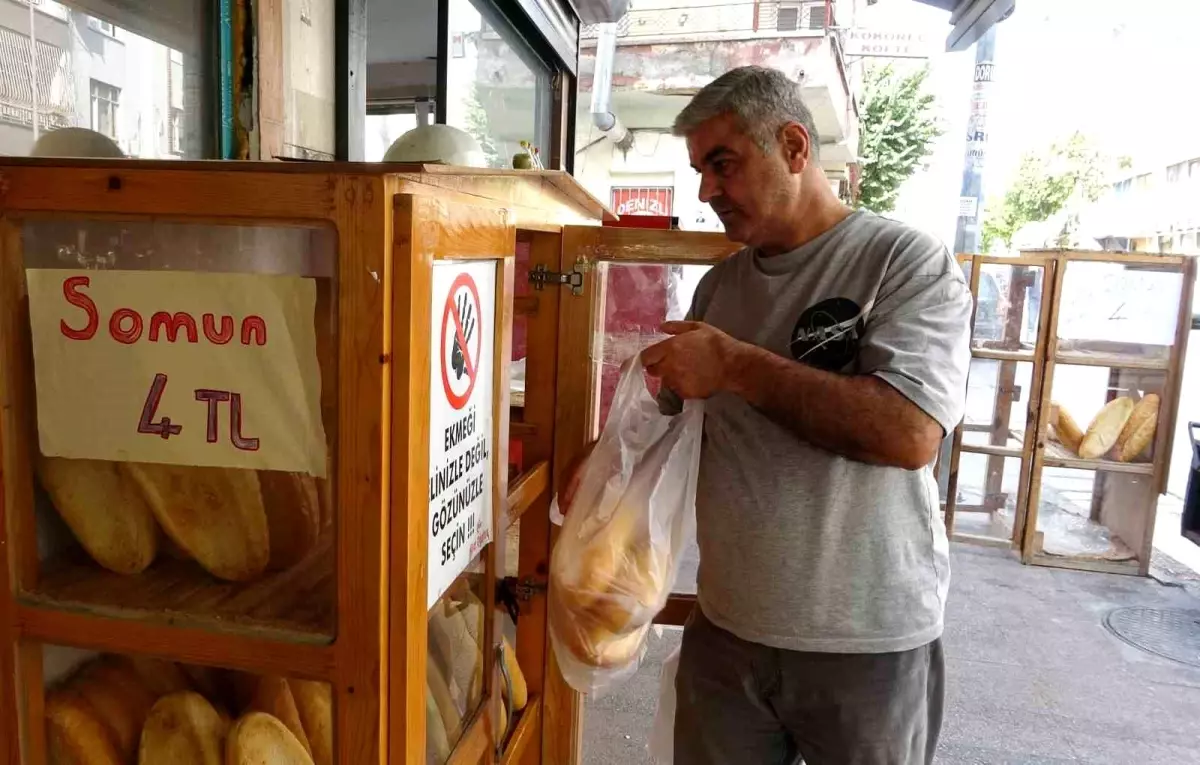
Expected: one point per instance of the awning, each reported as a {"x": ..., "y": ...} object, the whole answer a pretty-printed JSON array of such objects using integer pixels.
[{"x": 972, "y": 18}]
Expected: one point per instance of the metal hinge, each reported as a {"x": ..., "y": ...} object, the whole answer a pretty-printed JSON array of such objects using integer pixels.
[
  {"x": 540, "y": 276},
  {"x": 528, "y": 587}
]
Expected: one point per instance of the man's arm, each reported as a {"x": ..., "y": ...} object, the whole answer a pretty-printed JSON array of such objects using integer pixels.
[
  {"x": 858, "y": 416},
  {"x": 908, "y": 391}
]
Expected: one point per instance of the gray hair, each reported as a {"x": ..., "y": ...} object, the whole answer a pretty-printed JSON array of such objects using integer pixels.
[{"x": 763, "y": 101}]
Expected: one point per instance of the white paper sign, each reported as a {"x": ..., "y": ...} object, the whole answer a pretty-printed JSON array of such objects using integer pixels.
[{"x": 461, "y": 452}]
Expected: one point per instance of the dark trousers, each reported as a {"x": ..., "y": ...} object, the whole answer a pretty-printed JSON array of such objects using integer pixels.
[{"x": 741, "y": 703}]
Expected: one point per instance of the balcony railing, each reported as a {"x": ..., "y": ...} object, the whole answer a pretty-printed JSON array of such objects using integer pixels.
[{"x": 762, "y": 18}]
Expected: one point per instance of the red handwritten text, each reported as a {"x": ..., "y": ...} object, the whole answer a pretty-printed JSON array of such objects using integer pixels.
[{"x": 126, "y": 326}]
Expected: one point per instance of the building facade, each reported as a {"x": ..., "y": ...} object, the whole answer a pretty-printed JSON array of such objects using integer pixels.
[
  {"x": 89, "y": 73},
  {"x": 666, "y": 50},
  {"x": 1154, "y": 206}
]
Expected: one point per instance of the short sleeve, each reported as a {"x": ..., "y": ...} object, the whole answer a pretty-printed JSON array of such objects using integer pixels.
[{"x": 917, "y": 337}]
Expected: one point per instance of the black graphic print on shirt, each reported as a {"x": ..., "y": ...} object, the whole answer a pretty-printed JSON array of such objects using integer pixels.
[{"x": 827, "y": 334}]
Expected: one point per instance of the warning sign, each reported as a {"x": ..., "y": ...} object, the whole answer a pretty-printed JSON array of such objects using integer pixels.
[{"x": 460, "y": 418}]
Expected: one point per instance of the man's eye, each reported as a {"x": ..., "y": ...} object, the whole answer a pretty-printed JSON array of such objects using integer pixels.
[{"x": 722, "y": 167}]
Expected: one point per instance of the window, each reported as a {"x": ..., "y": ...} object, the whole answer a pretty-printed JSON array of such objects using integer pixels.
[
  {"x": 176, "y": 131},
  {"x": 140, "y": 75},
  {"x": 102, "y": 26},
  {"x": 1176, "y": 173},
  {"x": 1194, "y": 169},
  {"x": 105, "y": 102},
  {"x": 388, "y": 120},
  {"x": 788, "y": 19},
  {"x": 499, "y": 91},
  {"x": 1122, "y": 187}
]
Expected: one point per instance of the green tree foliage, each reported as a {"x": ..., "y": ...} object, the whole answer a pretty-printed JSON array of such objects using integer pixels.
[
  {"x": 1067, "y": 174},
  {"x": 897, "y": 127},
  {"x": 480, "y": 129}
]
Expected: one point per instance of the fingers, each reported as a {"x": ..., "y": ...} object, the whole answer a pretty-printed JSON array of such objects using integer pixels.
[
  {"x": 680, "y": 327},
  {"x": 654, "y": 355}
]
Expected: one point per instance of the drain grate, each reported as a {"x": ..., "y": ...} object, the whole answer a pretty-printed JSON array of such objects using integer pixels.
[{"x": 1172, "y": 633}]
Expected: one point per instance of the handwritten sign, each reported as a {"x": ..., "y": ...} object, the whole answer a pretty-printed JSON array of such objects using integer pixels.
[
  {"x": 210, "y": 369},
  {"x": 460, "y": 419}
]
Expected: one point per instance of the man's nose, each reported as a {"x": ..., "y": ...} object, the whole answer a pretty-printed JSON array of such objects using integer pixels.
[{"x": 709, "y": 188}]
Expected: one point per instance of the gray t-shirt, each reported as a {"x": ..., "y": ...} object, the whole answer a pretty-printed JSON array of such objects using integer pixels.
[{"x": 801, "y": 549}]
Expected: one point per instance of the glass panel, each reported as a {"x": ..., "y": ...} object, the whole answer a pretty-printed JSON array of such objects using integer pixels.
[
  {"x": 142, "y": 83},
  {"x": 986, "y": 501},
  {"x": 124, "y": 708},
  {"x": 997, "y": 407},
  {"x": 382, "y": 132},
  {"x": 1120, "y": 313},
  {"x": 497, "y": 90},
  {"x": 151, "y": 524},
  {"x": 1126, "y": 430},
  {"x": 637, "y": 300},
  {"x": 1093, "y": 515},
  {"x": 454, "y": 674},
  {"x": 1008, "y": 307}
]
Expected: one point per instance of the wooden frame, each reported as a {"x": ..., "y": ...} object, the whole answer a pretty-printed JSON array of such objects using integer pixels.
[
  {"x": 1134, "y": 513},
  {"x": 1131, "y": 500},
  {"x": 391, "y": 228},
  {"x": 1008, "y": 359},
  {"x": 577, "y": 418}
]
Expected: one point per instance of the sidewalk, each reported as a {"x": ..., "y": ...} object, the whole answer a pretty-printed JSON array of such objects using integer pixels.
[{"x": 1033, "y": 675}]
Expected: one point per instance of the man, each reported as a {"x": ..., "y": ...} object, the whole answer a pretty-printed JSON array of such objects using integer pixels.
[{"x": 832, "y": 353}]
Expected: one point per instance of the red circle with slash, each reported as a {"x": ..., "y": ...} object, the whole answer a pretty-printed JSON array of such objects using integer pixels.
[{"x": 452, "y": 330}]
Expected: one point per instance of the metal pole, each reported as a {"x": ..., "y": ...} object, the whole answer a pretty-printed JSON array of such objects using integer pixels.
[
  {"x": 33, "y": 66},
  {"x": 970, "y": 201}
]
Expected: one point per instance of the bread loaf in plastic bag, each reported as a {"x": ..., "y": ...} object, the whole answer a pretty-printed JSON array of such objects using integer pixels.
[{"x": 631, "y": 517}]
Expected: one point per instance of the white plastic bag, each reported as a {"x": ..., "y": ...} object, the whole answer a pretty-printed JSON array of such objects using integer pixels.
[
  {"x": 662, "y": 735},
  {"x": 632, "y": 515}
]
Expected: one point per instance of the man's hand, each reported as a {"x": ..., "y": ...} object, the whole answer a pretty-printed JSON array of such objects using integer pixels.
[{"x": 696, "y": 362}]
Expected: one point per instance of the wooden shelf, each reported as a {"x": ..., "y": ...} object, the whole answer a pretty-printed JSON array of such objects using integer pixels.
[
  {"x": 993, "y": 451},
  {"x": 987, "y": 353},
  {"x": 1113, "y": 360},
  {"x": 1097, "y": 565},
  {"x": 527, "y": 489},
  {"x": 297, "y": 605},
  {"x": 524, "y": 733},
  {"x": 1057, "y": 455}
]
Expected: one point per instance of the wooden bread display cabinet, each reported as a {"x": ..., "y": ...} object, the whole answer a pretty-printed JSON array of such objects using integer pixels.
[
  {"x": 264, "y": 496},
  {"x": 1072, "y": 403}
]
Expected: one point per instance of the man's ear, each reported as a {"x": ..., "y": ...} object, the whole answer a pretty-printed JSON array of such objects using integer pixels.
[{"x": 797, "y": 146}]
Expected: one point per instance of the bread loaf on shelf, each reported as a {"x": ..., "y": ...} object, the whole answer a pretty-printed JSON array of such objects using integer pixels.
[
  {"x": 438, "y": 742},
  {"x": 1139, "y": 430},
  {"x": 183, "y": 729},
  {"x": 1069, "y": 432},
  {"x": 1105, "y": 427},
  {"x": 160, "y": 676},
  {"x": 121, "y": 700},
  {"x": 215, "y": 515},
  {"x": 104, "y": 510},
  {"x": 293, "y": 508},
  {"x": 449, "y": 712},
  {"x": 314, "y": 702},
  {"x": 273, "y": 695},
  {"x": 75, "y": 734},
  {"x": 258, "y": 738},
  {"x": 520, "y": 691}
]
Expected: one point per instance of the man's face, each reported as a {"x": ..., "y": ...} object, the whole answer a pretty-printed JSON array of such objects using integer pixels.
[{"x": 748, "y": 189}]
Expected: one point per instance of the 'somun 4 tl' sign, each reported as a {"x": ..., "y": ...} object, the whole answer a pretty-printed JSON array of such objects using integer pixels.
[{"x": 208, "y": 369}]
